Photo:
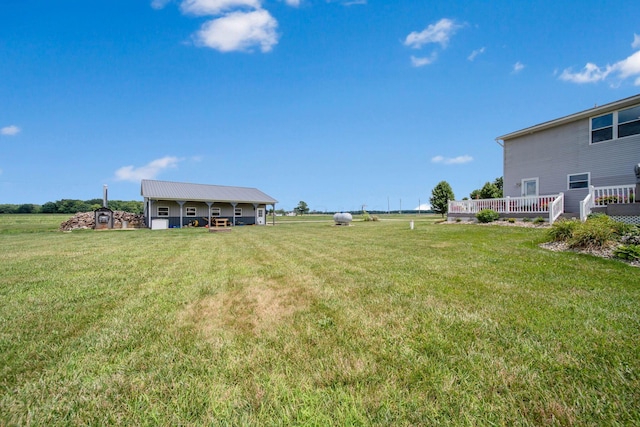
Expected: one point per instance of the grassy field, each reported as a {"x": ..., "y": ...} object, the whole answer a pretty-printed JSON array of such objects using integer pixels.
[{"x": 312, "y": 324}]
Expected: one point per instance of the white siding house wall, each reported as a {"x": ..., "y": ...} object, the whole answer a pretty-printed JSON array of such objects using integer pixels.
[{"x": 552, "y": 154}]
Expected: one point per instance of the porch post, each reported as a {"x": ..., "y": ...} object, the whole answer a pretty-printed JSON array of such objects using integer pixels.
[
  {"x": 233, "y": 205},
  {"x": 180, "y": 202},
  {"x": 209, "y": 204}
]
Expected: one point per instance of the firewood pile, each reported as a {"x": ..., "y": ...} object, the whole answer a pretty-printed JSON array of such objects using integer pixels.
[{"x": 84, "y": 220}]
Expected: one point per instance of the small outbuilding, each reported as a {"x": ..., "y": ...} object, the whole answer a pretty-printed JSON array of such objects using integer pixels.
[{"x": 182, "y": 204}]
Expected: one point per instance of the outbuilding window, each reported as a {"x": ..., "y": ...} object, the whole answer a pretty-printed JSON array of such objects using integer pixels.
[
  {"x": 191, "y": 211},
  {"x": 215, "y": 212},
  {"x": 163, "y": 211},
  {"x": 578, "y": 180},
  {"x": 237, "y": 212}
]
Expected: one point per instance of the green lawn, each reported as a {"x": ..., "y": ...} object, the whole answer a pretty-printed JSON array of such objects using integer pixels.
[{"x": 312, "y": 324}]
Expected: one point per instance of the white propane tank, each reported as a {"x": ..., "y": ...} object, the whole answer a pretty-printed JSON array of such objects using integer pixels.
[{"x": 342, "y": 218}]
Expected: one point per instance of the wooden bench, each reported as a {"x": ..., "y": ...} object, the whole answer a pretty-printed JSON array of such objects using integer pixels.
[{"x": 219, "y": 224}]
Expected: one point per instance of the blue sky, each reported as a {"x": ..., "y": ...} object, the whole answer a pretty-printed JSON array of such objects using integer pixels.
[{"x": 339, "y": 103}]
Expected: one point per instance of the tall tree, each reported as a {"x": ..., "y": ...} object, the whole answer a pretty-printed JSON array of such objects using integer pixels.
[
  {"x": 440, "y": 196},
  {"x": 302, "y": 208},
  {"x": 490, "y": 190}
]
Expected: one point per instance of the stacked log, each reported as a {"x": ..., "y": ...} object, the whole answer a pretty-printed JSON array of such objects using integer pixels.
[{"x": 87, "y": 220}]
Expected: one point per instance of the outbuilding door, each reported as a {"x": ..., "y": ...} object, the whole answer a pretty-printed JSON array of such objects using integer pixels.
[{"x": 260, "y": 219}]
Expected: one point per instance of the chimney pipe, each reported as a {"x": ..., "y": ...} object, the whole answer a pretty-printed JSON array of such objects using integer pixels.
[{"x": 104, "y": 196}]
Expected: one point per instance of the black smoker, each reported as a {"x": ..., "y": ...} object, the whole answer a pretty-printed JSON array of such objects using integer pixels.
[{"x": 103, "y": 215}]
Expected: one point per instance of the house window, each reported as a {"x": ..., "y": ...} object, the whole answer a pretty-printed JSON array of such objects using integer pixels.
[
  {"x": 163, "y": 211},
  {"x": 237, "y": 212},
  {"x": 629, "y": 122},
  {"x": 215, "y": 212},
  {"x": 602, "y": 128},
  {"x": 618, "y": 124},
  {"x": 191, "y": 211},
  {"x": 578, "y": 180}
]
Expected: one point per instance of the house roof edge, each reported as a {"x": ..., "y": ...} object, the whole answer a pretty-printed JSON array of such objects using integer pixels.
[{"x": 621, "y": 103}]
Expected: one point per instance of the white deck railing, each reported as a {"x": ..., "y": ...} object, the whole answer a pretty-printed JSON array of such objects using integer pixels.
[
  {"x": 603, "y": 196},
  {"x": 552, "y": 205},
  {"x": 585, "y": 206}
]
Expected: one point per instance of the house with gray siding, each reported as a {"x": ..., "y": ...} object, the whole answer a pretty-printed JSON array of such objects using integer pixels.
[
  {"x": 573, "y": 165},
  {"x": 597, "y": 147},
  {"x": 184, "y": 204}
]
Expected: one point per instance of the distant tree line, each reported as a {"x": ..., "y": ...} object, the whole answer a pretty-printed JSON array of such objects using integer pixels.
[{"x": 71, "y": 206}]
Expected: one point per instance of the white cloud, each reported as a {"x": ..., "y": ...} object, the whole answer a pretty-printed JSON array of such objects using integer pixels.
[
  {"x": 10, "y": 130},
  {"x": 628, "y": 67},
  {"x": 294, "y": 3},
  {"x": 592, "y": 73},
  {"x": 452, "y": 160},
  {"x": 475, "y": 53},
  {"x": 239, "y": 31},
  {"x": 216, "y": 7},
  {"x": 422, "y": 61},
  {"x": 423, "y": 207},
  {"x": 440, "y": 32},
  {"x": 148, "y": 171},
  {"x": 348, "y": 2},
  {"x": 518, "y": 66},
  {"x": 159, "y": 4}
]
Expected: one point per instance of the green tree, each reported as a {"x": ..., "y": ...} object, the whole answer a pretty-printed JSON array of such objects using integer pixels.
[
  {"x": 490, "y": 190},
  {"x": 49, "y": 207},
  {"x": 440, "y": 196},
  {"x": 27, "y": 208},
  {"x": 302, "y": 208}
]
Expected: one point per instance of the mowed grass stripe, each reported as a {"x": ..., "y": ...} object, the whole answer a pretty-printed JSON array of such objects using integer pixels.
[{"x": 312, "y": 324}]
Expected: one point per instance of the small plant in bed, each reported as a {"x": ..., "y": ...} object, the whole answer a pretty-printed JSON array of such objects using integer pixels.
[{"x": 487, "y": 215}]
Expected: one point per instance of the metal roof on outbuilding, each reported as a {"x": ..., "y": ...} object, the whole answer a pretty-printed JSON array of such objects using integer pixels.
[{"x": 166, "y": 190}]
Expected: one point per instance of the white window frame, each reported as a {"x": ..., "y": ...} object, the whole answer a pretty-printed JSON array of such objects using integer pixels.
[
  {"x": 575, "y": 174},
  {"x": 216, "y": 211},
  {"x": 614, "y": 125},
  {"x": 191, "y": 211},
  {"x": 162, "y": 210},
  {"x": 237, "y": 212}
]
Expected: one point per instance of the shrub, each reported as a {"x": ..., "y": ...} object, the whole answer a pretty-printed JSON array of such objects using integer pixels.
[
  {"x": 631, "y": 237},
  {"x": 596, "y": 232},
  {"x": 562, "y": 231},
  {"x": 539, "y": 220},
  {"x": 596, "y": 215},
  {"x": 526, "y": 219},
  {"x": 630, "y": 252},
  {"x": 511, "y": 220},
  {"x": 487, "y": 215}
]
